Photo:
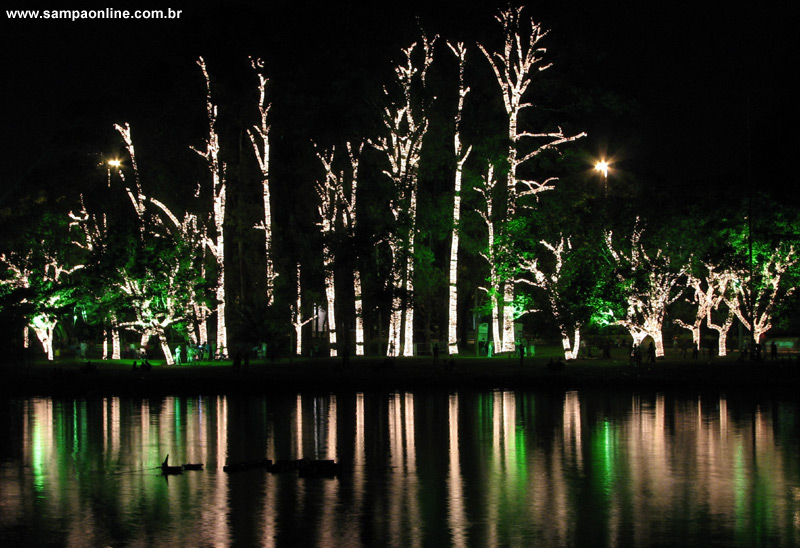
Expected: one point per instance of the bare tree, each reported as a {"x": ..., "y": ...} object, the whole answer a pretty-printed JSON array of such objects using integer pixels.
[
  {"x": 405, "y": 123},
  {"x": 259, "y": 137},
  {"x": 521, "y": 58},
  {"x": 297, "y": 316},
  {"x": 494, "y": 292},
  {"x": 460, "y": 51},
  {"x": 337, "y": 210},
  {"x": 219, "y": 193}
]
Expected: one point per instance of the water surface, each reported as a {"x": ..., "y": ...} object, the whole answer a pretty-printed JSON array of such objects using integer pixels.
[{"x": 498, "y": 468}]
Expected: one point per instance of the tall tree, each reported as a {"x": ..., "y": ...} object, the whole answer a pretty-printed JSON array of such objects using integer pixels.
[
  {"x": 405, "y": 121},
  {"x": 514, "y": 68},
  {"x": 461, "y": 154},
  {"x": 259, "y": 137},
  {"x": 487, "y": 211},
  {"x": 190, "y": 231},
  {"x": 219, "y": 193}
]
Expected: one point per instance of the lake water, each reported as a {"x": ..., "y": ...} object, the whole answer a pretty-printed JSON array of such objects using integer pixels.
[{"x": 499, "y": 468}]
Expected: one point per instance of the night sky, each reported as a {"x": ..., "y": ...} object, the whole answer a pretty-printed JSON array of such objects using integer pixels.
[{"x": 683, "y": 95}]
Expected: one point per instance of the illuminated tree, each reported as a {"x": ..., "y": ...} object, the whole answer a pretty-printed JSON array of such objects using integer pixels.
[
  {"x": 297, "y": 317},
  {"x": 515, "y": 67},
  {"x": 328, "y": 193},
  {"x": 337, "y": 211},
  {"x": 91, "y": 235},
  {"x": 219, "y": 192},
  {"x": 188, "y": 230},
  {"x": 486, "y": 189},
  {"x": 757, "y": 295},
  {"x": 259, "y": 136},
  {"x": 550, "y": 279},
  {"x": 405, "y": 123},
  {"x": 722, "y": 284},
  {"x": 649, "y": 283},
  {"x": 709, "y": 293},
  {"x": 460, "y": 51},
  {"x": 41, "y": 278},
  {"x": 157, "y": 281},
  {"x": 703, "y": 298}
]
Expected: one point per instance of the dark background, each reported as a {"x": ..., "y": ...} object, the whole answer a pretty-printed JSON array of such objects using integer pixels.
[{"x": 700, "y": 86}]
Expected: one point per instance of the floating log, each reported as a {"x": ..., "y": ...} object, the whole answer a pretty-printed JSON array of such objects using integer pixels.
[
  {"x": 193, "y": 466},
  {"x": 247, "y": 465},
  {"x": 283, "y": 465},
  {"x": 168, "y": 470},
  {"x": 306, "y": 468}
]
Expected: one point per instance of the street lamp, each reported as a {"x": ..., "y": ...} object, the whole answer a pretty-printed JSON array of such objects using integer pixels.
[
  {"x": 602, "y": 166},
  {"x": 112, "y": 163}
]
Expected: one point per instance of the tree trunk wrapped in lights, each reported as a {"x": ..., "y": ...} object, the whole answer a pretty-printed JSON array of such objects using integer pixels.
[
  {"x": 337, "y": 196},
  {"x": 549, "y": 282},
  {"x": 460, "y": 51},
  {"x": 328, "y": 193},
  {"x": 703, "y": 299},
  {"x": 259, "y": 137},
  {"x": 350, "y": 220},
  {"x": 297, "y": 317},
  {"x": 514, "y": 68},
  {"x": 721, "y": 284},
  {"x": 487, "y": 190},
  {"x": 218, "y": 185},
  {"x": 406, "y": 124},
  {"x": 708, "y": 294},
  {"x": 649, "y": 283},
  {"x": 137, "y": 198}
]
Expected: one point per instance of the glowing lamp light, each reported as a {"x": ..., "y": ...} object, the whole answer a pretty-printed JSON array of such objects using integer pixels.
[
  {"x": 602, "y": 167},
  {"x": 114, "y": 163}
]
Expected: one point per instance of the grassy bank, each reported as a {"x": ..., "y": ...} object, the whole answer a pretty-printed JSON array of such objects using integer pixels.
[{"x": 71, "y": 378}]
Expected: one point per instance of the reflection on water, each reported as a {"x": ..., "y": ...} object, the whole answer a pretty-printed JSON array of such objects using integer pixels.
[{"x": 498, "y": 468}]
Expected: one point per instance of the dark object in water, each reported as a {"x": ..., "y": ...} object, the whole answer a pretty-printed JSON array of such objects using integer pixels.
[
  {"x": 317, "y": 469},
  {"x": 307, "y": 468},
  {"x": 195, "y": 466},
  {"x": 168, "y": 470},
  {"x": 247, "y": 465}
]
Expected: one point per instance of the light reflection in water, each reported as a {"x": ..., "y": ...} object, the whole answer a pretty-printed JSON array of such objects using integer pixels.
[
  {"x": 464, "y": 469},
  {"x": 456, "y": 514}
]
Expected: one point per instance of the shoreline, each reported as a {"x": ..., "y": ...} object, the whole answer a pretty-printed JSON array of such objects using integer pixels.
[{"x": 363, "y": 374}]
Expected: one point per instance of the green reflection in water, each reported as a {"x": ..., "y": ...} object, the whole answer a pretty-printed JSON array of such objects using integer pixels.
[
  {"x": 604, "y": 456},
  {"x": 75, "y": 444},
  {"x": 37, "y": 457},
  {"x": 178, "y": 430}
]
